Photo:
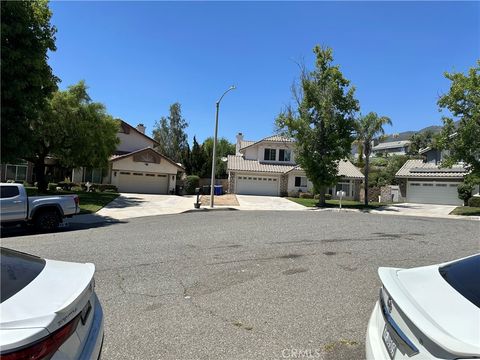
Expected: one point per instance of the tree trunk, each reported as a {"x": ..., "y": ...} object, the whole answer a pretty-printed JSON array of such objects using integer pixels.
[
  {"x": 321, "y": 198},
  {"x": 367, "y": 169},
  {"x": 39, "y": 168}
]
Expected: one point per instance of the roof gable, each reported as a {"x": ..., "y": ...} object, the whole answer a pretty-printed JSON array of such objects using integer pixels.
[
  {"x": 268, "y": 139},
  {"x": 147, "y": 155},
  {"x": 126, "y": 128}
]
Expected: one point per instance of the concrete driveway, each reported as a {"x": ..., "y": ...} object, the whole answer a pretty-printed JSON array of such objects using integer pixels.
[
  {"x": 410, "y": 209},
  {"x": 138, "y": 205},
  {"x": 251, "y": 202}
]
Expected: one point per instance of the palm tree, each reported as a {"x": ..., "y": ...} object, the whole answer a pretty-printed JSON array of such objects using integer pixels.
[{"x": 367, "y": 128}]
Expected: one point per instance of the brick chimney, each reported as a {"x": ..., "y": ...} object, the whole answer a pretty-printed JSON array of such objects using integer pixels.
[
  {"x": 141, "y": 128},
  {"x": 238, "y": 144}
]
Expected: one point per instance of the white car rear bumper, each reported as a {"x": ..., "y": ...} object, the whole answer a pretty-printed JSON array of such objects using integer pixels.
[
  {"x": 93, "y": 345},
  {"x": 374, "y": 347}
]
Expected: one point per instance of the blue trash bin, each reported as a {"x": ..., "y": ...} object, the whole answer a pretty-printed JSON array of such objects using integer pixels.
[{"x": 218, "y": 189}]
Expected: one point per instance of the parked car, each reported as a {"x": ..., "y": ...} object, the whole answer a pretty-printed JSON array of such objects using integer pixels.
[
  {"x": 49, "y": 309},
  {"x": 45, "y": 212},
  {"x": 430, "y": 312}
]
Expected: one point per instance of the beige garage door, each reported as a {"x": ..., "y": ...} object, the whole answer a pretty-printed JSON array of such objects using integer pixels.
[
  {"x": 143, "y": 183},
  {"x": 257, "y": 185},
  {"x": 431, "y": 192}
]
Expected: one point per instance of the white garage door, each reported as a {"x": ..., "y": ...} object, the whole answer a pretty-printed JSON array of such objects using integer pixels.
[
  {"x": 431, "y": 192},
  {"x": 258, "y": 185},
  {"x": 143, "y": 183}
]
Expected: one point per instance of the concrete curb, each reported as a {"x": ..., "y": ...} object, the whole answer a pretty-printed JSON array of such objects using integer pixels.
[{"x": 204, "y": 209}]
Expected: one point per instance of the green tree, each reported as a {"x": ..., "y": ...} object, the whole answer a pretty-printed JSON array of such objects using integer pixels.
[
  {"x": 197, "y": 158},
  {"x": 26, "y": 78},
  {"x": 367, "y": 128},
  {"x": 321, "y": 121},
  {"x": 224, "y": 148},
  {"x": 74, "y": 130},
  {"x": 170, "y": 133},
  {"x": 463, "y": 102},
  {"x": 420, "y": 141}
]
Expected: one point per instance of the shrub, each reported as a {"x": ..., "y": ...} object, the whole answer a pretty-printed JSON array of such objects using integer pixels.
[
  {"x": 67, "y": 185},
  {"x": 191, "y": 182},
  {"x": 76, "y": 188},
  {"x": 107, "y": 187},
  {"x": 52, "y": 186},
  {"x": 328, "y": 196},
  {"x": 293, "y": 194},
  {"x": 474, "y": 201},
  {"x": 464, "y": 192},
  {"x": 306, "y": 195}
]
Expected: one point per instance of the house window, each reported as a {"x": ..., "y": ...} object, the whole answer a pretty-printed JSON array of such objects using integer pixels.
[
  {"x": 16, "y": 172},
  {"x": 343, "y": 186},
  {"x": 301, "y": 181},
  {"x": 93, "y": 175},
  {"x": 270, "y": 154},
  {"x": 284, "y": 155}
]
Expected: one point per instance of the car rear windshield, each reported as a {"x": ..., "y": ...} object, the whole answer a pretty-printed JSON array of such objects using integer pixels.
[
  {"x": 463, "y": 276},
  {"x": 17, "y": 271}
]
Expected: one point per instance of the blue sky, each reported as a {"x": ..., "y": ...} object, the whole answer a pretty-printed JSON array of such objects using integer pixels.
[{"x": 140, "y": 57}]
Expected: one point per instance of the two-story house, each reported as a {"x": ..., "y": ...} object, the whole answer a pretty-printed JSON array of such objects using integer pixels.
[
  {"x": 425, "y": 181},
  {"x": 391, "y": 148},
  {"x": 136, "y": 166},
  {"x": 268, "y": 167}
]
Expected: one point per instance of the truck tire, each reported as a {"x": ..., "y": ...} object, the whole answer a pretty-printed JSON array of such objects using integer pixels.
[{"x": 47, "y": 220}]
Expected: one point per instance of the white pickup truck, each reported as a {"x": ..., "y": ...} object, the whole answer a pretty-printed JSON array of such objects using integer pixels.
[{"x": 45, "y": 212}]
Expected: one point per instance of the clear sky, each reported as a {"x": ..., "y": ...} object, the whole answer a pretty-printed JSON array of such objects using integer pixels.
[{"x": 140, "y": 57}]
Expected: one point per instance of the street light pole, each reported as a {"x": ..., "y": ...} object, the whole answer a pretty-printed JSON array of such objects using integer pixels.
[{"x": 212, "y": 184}]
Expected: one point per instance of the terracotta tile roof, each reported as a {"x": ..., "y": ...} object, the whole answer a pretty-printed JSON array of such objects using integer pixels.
[
  {"x": 419, "y": 169},
  {"x": 345, "y": 168},
  {"x": 238, "y": 163},
  {"x": 246, "y": 143}
]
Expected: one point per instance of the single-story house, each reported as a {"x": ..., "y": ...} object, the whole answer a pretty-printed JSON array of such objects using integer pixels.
[
  {"x": 425, "y": 181},
  {"x": 268, "y": 167}
]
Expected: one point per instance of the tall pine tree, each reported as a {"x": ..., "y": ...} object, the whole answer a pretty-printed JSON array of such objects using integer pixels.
[{"x": 170, "y": 133}]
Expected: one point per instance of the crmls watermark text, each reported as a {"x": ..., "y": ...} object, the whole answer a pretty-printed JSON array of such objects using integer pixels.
[{"x": 293, "y": 353}]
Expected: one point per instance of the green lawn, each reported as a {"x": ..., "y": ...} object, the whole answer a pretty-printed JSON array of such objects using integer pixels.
[
  {"x": 347, "y": 204},
  {"x": 466, "y": 210},
  {"x": 90, "y": 202}
]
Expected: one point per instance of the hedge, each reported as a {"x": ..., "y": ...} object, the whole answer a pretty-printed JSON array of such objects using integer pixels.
[
  {"x": 474, "y": 201},
  {"x": 191, "y": 182}
]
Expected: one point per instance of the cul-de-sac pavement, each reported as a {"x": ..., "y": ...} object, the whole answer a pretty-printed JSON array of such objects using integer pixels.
[{"x": 247, "y": 284}]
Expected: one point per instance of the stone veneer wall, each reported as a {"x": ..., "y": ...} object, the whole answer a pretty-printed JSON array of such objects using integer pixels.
[
  {"x": 231, "y": 182},
  {"x": 283, "y": 185}
]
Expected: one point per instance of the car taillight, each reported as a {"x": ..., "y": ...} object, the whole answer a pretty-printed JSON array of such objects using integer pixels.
[
  {"x": 45, "y": 348},
  {"x": 77, "y": 200}
]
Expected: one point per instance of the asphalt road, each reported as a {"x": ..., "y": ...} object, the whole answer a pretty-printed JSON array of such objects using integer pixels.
[{"x": 248, "y": 285}]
